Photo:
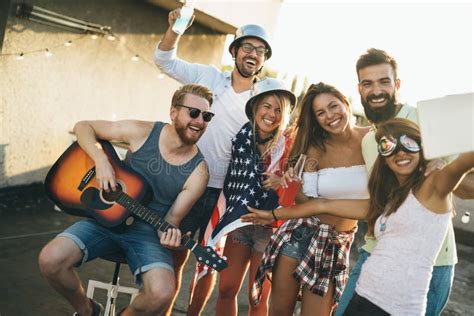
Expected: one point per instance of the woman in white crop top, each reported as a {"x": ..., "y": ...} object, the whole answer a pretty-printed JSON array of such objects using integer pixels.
[
  {"x": 309, "y": 257},
  {"x": 408, "y": 213}
]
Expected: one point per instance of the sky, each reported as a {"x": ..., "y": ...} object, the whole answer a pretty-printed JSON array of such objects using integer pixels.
[{"x": 432, "y": 42}]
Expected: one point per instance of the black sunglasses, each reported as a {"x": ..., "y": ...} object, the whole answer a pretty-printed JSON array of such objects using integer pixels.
[
  {"x": 248, "y": 48},
  {"x": 194, "y": 113}
]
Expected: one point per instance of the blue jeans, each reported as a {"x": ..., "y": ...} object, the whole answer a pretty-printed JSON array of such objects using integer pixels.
[{"x": 440, "y": 287}]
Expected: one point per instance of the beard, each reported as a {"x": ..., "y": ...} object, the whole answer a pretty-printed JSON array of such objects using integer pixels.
[
  {"x": 381, "y": 114},
  {"x": 181, "y": 130},
  {"x": 243, "y": 71}
]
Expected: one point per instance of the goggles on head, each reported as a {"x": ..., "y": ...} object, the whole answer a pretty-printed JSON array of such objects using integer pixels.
[{"x": 389, "y": 145}]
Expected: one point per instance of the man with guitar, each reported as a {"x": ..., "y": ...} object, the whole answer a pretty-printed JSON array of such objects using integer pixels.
[{"x": 166, "y": 156}]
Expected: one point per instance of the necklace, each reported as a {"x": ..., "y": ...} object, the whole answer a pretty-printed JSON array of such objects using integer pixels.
[
  {"x": 383, "y": 224},
  {"x": 263, "y": 141}
]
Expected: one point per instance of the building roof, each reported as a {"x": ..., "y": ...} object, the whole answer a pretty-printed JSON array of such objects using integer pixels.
[{"x": 200, "y": 16}]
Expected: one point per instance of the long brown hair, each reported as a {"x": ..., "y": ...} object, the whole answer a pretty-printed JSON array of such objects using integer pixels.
[
  {"x": 307, "y": 129},
  {"x": 386, "y": 193}
]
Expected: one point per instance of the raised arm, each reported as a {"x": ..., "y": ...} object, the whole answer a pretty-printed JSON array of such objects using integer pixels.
[
  {"x": 353, "y": 209},
  {"x": 165, "y": 57},
  {"x": 170, "y": 39},
  {"x": 465, "y": 189},
  {"x": 447, "y": 179},
  {"x": 88, "y": 132}
]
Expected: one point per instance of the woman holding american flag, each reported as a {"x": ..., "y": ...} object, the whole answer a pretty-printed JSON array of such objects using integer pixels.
[{"x": 259, "y": 152}]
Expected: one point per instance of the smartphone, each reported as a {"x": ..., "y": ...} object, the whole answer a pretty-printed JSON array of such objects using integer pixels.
[{"x": 447, "y": 125}]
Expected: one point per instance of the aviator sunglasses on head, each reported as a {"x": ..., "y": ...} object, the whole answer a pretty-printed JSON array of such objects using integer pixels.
[
  {"x": 194, "y": 113},
  {"x": 389, "y": 145}
]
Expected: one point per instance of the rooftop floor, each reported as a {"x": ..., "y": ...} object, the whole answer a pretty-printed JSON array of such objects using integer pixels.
[{"x": 29, "y": 221}]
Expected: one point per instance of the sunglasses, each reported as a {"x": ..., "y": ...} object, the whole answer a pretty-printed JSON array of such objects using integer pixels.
[
  {"x": 248, "y": 48},
  {"x": 389, "y": 145},
  {"x": 194, "y": 113}
]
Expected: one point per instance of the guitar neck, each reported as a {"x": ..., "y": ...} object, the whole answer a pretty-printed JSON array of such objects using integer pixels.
[{"x": 151, "y": 218}]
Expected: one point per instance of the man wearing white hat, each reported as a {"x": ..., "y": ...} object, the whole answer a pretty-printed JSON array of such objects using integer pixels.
[{"x": 250, "y": 49}]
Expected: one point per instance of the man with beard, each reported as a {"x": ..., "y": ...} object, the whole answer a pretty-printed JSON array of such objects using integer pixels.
[
  {"x": 167, "y": 156},
  {"x": 378, "y": 87},
  {"x": 231, "y": 90}
]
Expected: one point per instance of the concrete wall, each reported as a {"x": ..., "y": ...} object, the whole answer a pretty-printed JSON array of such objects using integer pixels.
[{"x": 41, "y": 98}]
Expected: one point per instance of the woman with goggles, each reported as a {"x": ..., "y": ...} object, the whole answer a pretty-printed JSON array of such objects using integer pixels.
[
  {"x": 408, "y": 213},
  {"x": 308, "y": 257}
]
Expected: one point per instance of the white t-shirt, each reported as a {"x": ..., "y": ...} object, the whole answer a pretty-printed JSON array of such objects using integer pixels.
[{"x": 215, "y": 144}]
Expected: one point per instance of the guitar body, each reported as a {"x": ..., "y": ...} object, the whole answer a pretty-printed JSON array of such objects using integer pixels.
[{"x": 72, "y": 186}]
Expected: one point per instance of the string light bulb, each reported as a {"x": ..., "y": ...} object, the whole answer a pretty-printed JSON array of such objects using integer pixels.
[
  {"x": 48, "y": 54},
  {"x": 466, "y": 217}
]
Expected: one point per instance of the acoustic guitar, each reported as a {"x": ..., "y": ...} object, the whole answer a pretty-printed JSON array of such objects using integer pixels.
[{"x": 71, "y": 185}]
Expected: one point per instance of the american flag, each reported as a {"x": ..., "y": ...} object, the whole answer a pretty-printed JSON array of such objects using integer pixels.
[{"x": 242, "y": 188}]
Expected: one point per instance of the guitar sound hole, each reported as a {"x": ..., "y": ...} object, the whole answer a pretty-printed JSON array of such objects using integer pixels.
[{"x": 112, "y": 196}]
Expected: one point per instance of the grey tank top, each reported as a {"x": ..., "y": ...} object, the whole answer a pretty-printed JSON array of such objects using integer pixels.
[{"x": 165, "y": 180}]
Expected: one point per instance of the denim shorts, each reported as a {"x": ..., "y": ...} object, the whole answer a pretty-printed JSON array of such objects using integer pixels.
[
  {"x": 299, "y": 242},
  {"x": 139, "y": 243},
  {"x": 255, "y": 237}
]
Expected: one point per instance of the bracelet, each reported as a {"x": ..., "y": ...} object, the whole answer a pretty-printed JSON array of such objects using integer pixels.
[{"x": 274, "y": 216}]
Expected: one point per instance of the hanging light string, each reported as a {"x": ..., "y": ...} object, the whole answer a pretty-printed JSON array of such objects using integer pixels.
[
  {"x": 48, "y": 51},
  {"x": 44, "y": 16},
  {"x": 136, "y": 56}
]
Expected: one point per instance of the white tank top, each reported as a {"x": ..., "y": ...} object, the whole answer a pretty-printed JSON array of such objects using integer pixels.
[
  {"x": 337, "y": 183},
  {"x": 216, "y": 143},
  {"x": 396, "y": 276}
]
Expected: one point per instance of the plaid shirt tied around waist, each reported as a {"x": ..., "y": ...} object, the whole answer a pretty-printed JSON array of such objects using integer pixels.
[{"x": 326, "y": 259}]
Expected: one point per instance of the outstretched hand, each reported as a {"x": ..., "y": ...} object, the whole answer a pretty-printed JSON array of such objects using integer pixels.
[{"x": 258, "y": 217}]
